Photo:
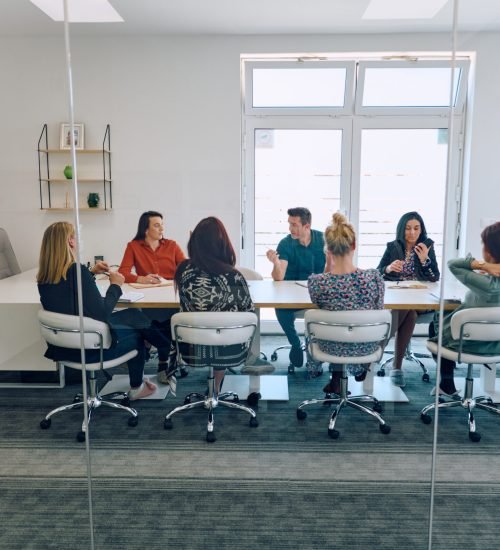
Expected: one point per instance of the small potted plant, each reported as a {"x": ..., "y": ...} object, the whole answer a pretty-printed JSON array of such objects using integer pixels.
[{"x": 93, "y": 200}]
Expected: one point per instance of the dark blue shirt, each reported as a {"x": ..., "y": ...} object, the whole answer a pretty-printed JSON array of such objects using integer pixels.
[{"x": 302, "y": 260}]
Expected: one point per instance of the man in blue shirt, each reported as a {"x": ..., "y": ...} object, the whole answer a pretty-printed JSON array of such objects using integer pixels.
[{"x": 298, "y": 255}]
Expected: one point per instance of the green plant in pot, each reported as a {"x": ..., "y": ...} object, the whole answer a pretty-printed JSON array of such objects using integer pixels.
[{"x": 93, "y": 200}]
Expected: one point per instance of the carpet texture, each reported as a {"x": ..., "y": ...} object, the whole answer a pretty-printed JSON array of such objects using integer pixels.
[{"x": 285, "y": 484}]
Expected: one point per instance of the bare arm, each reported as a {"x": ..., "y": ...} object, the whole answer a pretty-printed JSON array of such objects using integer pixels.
[{"x": 279, "y": 266}]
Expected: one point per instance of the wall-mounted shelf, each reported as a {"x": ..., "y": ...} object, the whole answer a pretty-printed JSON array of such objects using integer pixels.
[{"x": 57, "y": 200}]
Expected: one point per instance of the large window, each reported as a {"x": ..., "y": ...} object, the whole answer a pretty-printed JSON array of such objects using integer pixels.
[{"x": 368, "y": 137}]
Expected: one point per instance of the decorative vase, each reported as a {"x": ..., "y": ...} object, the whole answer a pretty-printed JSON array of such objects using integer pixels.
[
  {"x": 68, "y": 172},
  {"x": 93, "y": 200}
]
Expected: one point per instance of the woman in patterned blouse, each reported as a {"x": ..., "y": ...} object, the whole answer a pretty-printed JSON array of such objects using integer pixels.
[
  {"x": 410, "y": 257},
  {"x": 343, "y": 286},
  {"x": 208, "y": 280}
]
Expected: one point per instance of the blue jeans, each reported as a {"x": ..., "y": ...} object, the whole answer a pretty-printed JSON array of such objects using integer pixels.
[{"x": 286, "y": 319}]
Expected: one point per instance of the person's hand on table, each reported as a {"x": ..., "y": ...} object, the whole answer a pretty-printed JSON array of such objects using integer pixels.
[{"x": 151, "y": 279}]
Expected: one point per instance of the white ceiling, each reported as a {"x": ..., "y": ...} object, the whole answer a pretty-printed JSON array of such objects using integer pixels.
[{"x": 159, "y": 17}]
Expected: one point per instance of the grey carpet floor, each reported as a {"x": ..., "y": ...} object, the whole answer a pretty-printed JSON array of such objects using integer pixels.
[{"x": 285, "y": 484}]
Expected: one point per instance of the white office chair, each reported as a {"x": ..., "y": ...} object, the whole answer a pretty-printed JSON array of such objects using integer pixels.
[
  {"x": 8, "y": 261},
  {"x": 208, "y": 339},
  {"x": 480, "y": 324},
  {"x": 369, "y": 326},
  {"x": 64, "y": 331},
  {"x": 250, "y": 274}
]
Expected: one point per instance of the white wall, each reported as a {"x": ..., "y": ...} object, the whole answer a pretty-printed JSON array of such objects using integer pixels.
[{"x": 174, "y": 108}]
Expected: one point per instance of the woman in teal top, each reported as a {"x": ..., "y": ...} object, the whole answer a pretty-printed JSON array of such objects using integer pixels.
[{"x": 482, "y": 278}]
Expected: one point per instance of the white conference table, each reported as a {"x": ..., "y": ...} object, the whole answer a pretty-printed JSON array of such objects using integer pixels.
[{"x": 22, "y": 349}]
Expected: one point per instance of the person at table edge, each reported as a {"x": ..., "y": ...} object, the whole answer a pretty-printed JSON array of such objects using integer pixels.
[
  {"x": 153, "y": 258},
  {"x": 298, "y": 255}
]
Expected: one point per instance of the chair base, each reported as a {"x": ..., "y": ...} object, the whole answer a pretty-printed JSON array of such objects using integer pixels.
[
  {"x": 210, "y": 401},
  {"x": 346, "y": 400},
  {"x": 467, "y": 402},
  {"x": 94, "y": 401},
  {"x": 409, "y": 356}
]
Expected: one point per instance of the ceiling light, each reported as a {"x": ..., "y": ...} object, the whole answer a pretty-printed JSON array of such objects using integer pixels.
[
  {"x": 80, "y": 11},
  {"x": 403, "y": 9}
]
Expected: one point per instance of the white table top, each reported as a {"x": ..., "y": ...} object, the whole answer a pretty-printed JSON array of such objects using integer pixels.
[{"x": 22, "y": 289}]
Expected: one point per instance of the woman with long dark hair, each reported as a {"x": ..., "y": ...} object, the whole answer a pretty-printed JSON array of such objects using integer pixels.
[
  {"x": 208, "y": 280},
  {"x": 410, "y": 256},
  {"x": 148, "y": 259}
]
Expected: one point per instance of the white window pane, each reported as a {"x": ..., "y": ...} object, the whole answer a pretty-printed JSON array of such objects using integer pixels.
[
  {"x": 401, "y": 170},
  {"x": 293, "y": 168},
  {"x": 408, "y": 87},
  {"x": 299, "y": 87}
]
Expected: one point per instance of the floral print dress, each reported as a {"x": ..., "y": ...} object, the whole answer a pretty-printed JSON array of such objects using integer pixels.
[{"x": 361, "y": 289}]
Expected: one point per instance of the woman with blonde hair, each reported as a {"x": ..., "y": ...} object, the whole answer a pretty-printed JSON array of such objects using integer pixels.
[
  {"x": 343, "y": 286},
  {"x": 57, "y": 285}
]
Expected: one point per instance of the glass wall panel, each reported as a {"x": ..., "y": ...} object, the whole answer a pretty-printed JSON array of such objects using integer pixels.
[
  {"x": 467, "y": 443},
  {"x": 44, "y": 492}
]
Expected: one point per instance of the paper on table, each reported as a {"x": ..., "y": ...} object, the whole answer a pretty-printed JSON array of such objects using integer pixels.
[
  {"x": 163, "y": 282},
  {"x": 406, "y": 284},
  {"x": 125, "y": 297}
]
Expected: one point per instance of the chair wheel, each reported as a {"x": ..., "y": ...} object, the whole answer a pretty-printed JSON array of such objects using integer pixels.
[
  {"x": 384, "y": 428},
  {"x": 187, "y": 400},
  {"x": 426, "y": 418},
  {"x": 334, "y": 434},
  {"x": 301, "y": 414},
  {"x": 381, "y": 372},
  {"x": 211, "y": 437},
  {"x": 274, "y": 356},
  {"x": 45, "y": 423},
  {"x": 291, "y": 369},
  {"x": 183, "y": 373},
  {"x": 377, "y": 407},
  {"x": 253, "y": 422},
  {"x": 167, "y": 424},
  {"x": 236, "y": 398},
  {"x": 475, "y": 436},
  {"x": 426, "y": 377},
  {"x": 253, "y": 399},
  {"x": 80, "y": 437},
  {"x": 77, "y": 398},
  {"x": 133, "y": 421},
  {"x": 126, "y": 402}
]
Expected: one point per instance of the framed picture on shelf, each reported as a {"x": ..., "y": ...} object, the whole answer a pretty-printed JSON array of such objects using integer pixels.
[{"x": 78, "y": 132}]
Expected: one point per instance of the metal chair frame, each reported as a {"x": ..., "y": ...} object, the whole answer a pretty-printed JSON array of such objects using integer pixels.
[
  {"x": 94, "y": 398},
  {"x": 468, "y": 402},
  {"x": 210, "y": 400},
  {"x": 344, "y": 399}
]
